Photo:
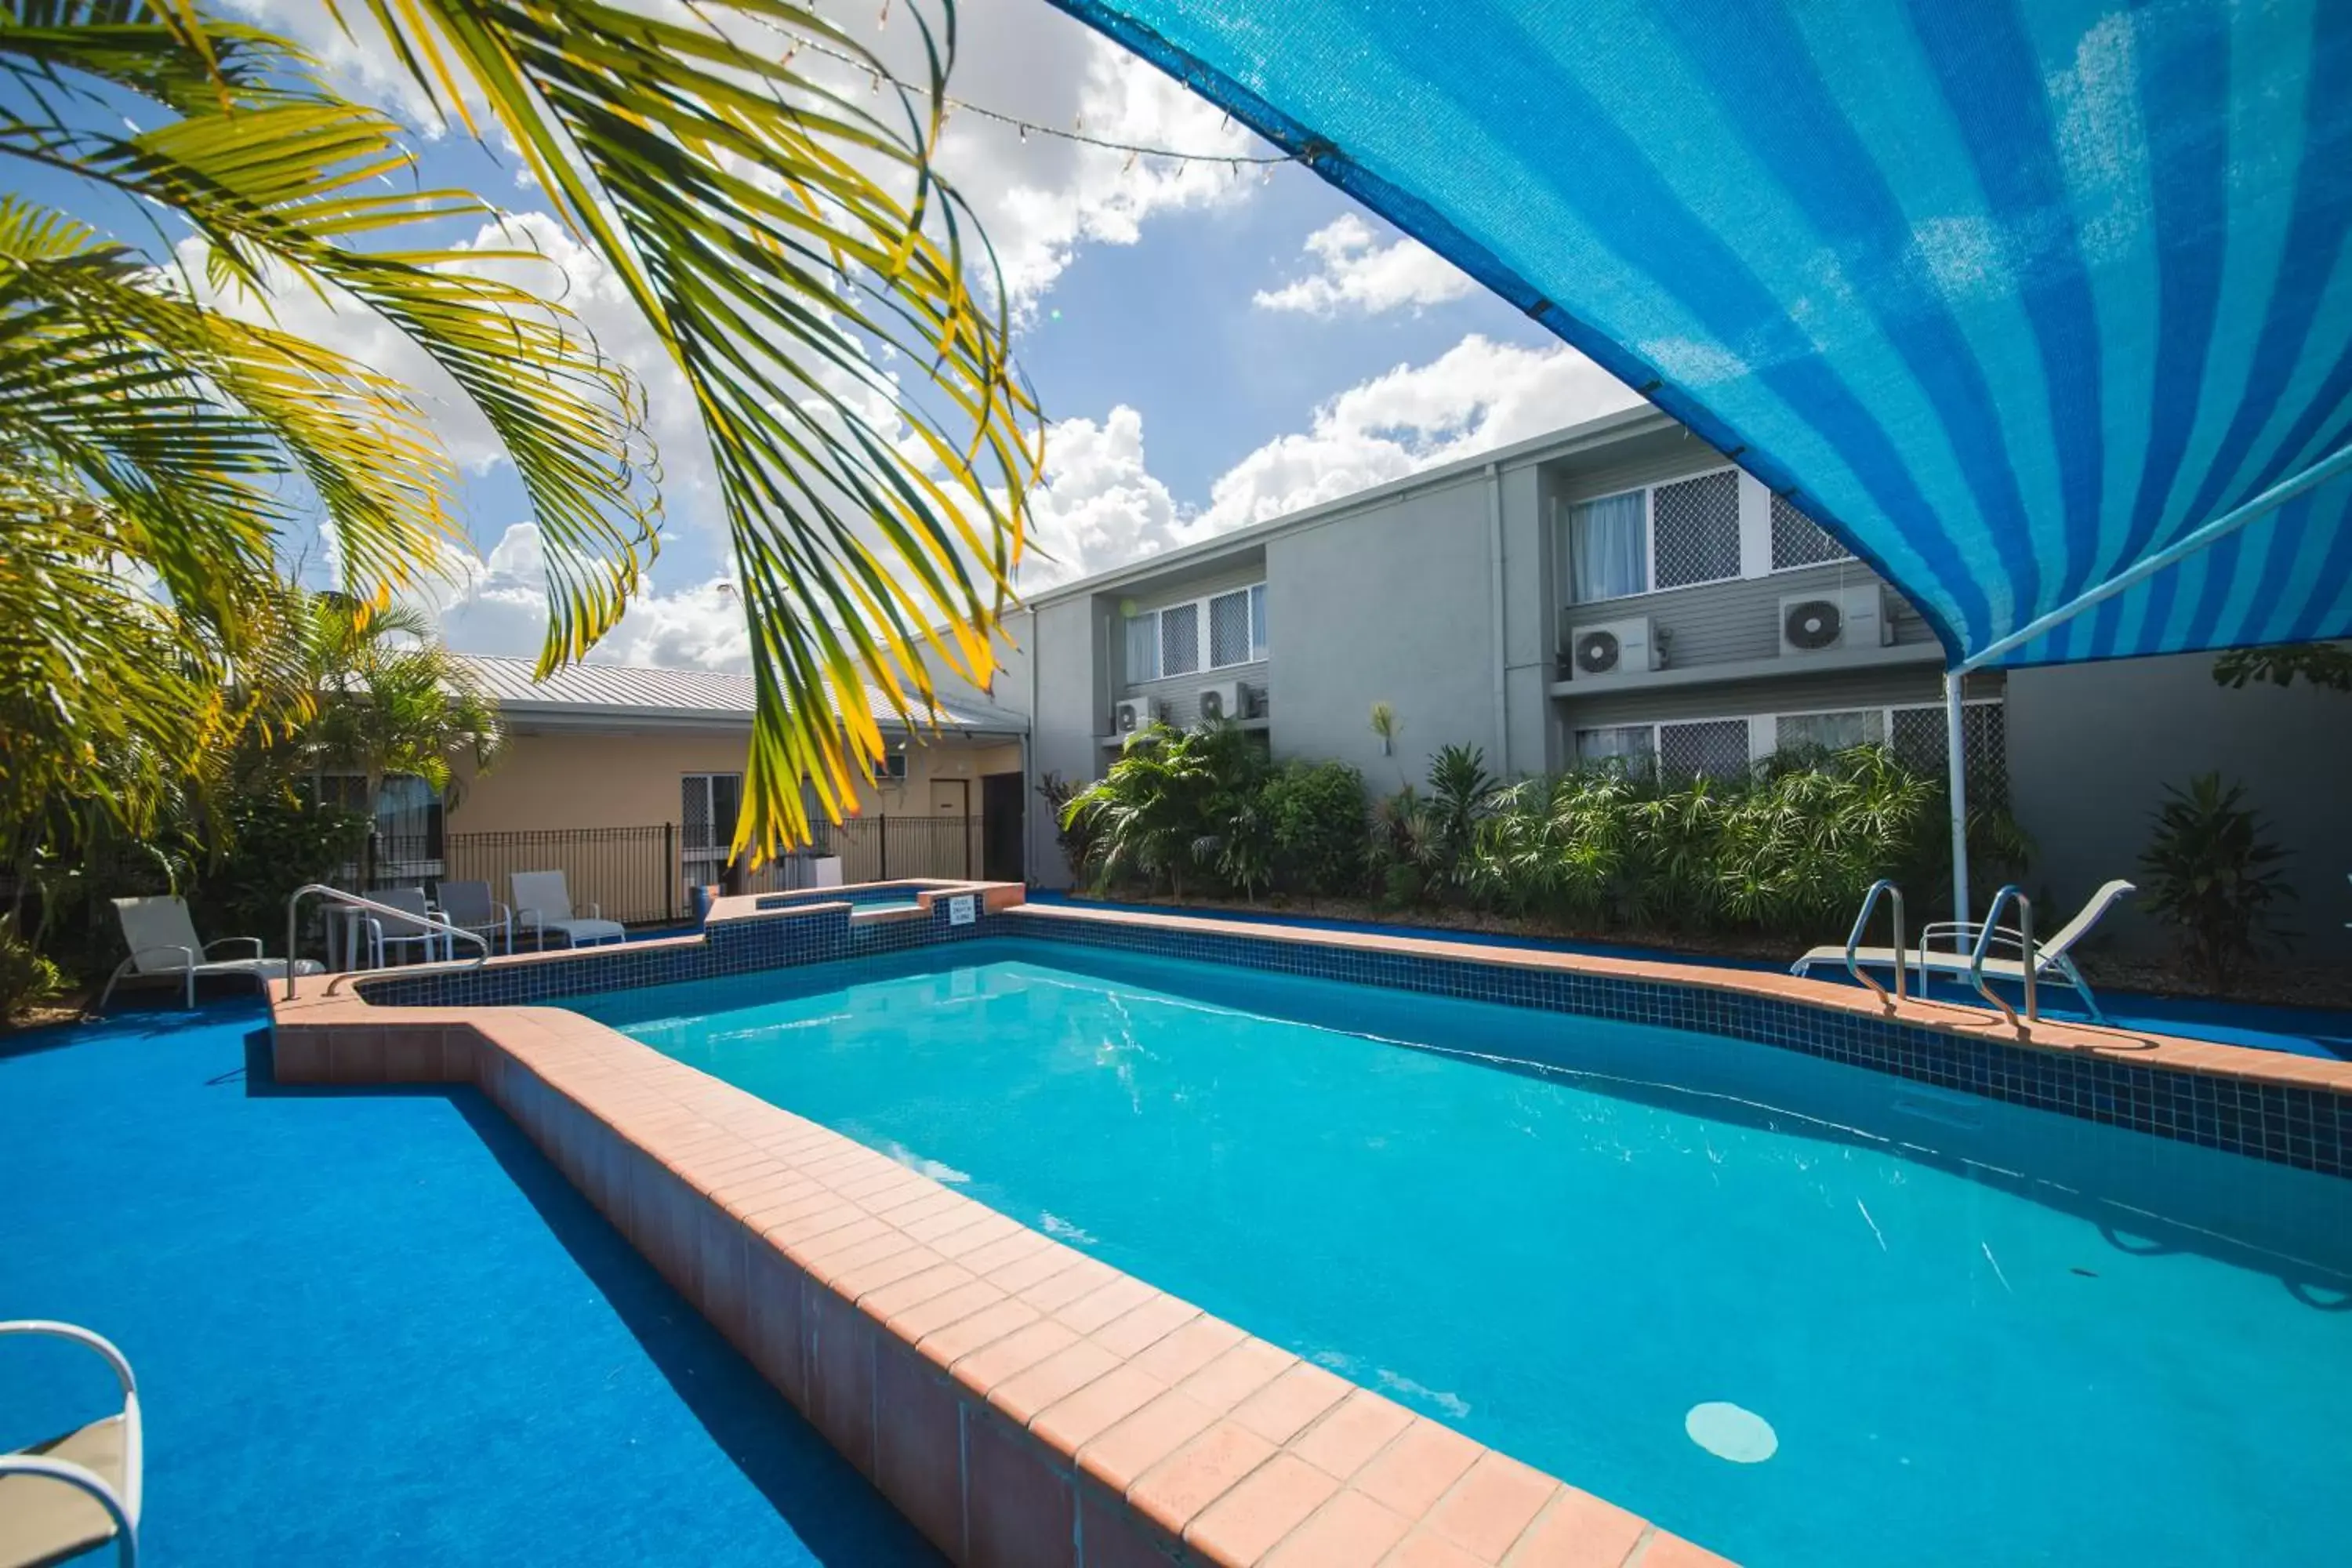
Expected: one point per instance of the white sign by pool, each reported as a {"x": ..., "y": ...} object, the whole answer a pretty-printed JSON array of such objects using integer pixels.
[
  {"x": 1730, "y": 1432},
  {"x": 960, "y": 911}
]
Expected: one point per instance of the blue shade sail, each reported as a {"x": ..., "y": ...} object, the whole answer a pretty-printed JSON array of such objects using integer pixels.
[{"x": 2015, "y": 298}]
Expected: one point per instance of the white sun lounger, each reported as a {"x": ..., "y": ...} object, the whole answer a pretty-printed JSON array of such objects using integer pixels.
[
  {"x": 2050, "y": 959},
  {"x": 542, "y": 904},
  {"x": 163, "y": 941},
  {"x": 62, "y": 1497}
]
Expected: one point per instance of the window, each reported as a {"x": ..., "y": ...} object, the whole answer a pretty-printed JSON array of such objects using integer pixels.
[
  {"x": 1179, "y": 640},
  {"x": 1830, "y": 731},
  {"x": 409, "y": 826},
  {"x": 1918, "y": 738},
  {"x": 1798, "y": 541},
  {"x": 1143, "y": 647},
  {"x": 1711, "y": 748},
  {"x": 707, "y": 806},
  {"x": 1695, "y": 530},
  {"x": 1169, "y": 641},
  {"x": 1633, "y": 747},
  {"x": 1667, "y": 536},
  {"x": 890, "y": 768},
  {"x": 1608, "y": 547}
]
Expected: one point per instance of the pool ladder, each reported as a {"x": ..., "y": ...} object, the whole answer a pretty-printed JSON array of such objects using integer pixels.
[
  {"x": 336, "y": 895},
  {"x": 2028, "y": 952}
]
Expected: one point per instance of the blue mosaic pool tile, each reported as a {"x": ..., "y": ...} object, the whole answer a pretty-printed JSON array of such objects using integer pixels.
[
  {"x": 2305, "y": 1128},
  {"x": 2310, "y": 1128}
]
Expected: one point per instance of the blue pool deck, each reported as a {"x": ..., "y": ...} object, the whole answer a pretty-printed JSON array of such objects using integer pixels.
[
  {"x": 377, "y": 1327},
  {"x": 2324, "y": 1033}
]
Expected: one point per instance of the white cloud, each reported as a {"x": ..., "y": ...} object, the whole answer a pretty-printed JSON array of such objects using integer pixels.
[
  {"x": 1099, "y": 506},
  {"x": 1357, "y": 273},
  {"x": 1477, "y": 395},
  {"x": 497, "y": 604}
]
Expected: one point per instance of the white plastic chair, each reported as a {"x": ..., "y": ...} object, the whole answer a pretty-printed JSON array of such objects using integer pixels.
[
  {"x": 542, "y": 904},
  {"x": 162, "y": 937},
  {"x": 64, "y": 1497},
  {"x": 388, "y": 931},
  {"x": 469, "y": 905}
]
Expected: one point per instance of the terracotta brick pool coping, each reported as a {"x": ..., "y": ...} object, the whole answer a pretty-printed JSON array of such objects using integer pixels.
[{"x": 1020, "y": 1401}]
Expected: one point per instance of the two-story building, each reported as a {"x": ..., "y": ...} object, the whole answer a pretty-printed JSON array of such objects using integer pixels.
[{"x": 1618, "y": 589}]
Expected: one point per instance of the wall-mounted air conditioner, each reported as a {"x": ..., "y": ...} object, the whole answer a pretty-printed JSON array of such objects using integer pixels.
[
  {"x": 1612, "y": 649},
  {"x": 1226, "y": 700},
  {"x": 1842, "y": 617},
  {"x": 1132, "y": 713}
]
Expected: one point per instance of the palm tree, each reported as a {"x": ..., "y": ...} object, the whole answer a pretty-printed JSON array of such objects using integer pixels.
[
  {"x": 778, "y": 233},
  {"x": 389, "y": 697}
]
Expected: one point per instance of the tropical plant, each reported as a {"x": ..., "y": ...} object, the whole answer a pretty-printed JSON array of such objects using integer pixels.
[
  {"x": 1317, "y": 824},
  {"x": 1461, "y": 795},
  {"x": 27, "y": 977},
  {"x": 1177, "y": 803},
  {"x": 1074, "y": 838},
  {"x": 389, "y": 697},
  {"x": 2214, "y": 875},
  {"x": 270, "y": 842},
  {"x": 784, "y": 242}
]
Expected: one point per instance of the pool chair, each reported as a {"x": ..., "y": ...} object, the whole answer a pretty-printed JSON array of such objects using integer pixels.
[
  {"x": 542, "y": 904},
  {"x": 2050, "y": 959},
  {"x": 162, "y": 941},
  {"x": 468, "y": 905},
  {"x": 62, "y": 1497},
  {"x": 387, "y": 933}
]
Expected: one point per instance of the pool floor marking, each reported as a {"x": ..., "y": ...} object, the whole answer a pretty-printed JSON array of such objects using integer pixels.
[
  {"x": 997, "y": 1386},
  {"x": 1729, "y": 1432}
]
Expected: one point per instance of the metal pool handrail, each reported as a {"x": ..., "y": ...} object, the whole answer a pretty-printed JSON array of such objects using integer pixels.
[
  {"x": 1985, "y": 935},
  {"x": 1853, "y": 943},
  {"x": 293, "y": 905}
]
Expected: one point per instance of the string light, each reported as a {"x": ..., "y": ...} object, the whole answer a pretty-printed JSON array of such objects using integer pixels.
[{"x": 1077, "y": 131}]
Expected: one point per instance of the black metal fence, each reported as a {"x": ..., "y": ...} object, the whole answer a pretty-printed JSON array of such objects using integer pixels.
[{"x": 640, "y": 875}]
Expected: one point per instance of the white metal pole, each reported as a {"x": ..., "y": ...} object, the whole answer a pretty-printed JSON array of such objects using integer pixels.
[{"x": 1957, "y": 765}]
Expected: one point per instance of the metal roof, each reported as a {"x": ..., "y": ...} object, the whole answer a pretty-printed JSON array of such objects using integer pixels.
[{"x": 670, "y": 698}]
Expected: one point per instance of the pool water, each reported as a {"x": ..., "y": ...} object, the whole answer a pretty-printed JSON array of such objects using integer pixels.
[
  {"x": 1800, "y": 1313},
  {"x": 377, "y": 1328}
]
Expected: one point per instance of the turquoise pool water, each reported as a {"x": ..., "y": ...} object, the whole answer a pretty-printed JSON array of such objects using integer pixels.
[
  {"x": 376, "y": 1329},
  {"x": 1961, "y": 1329}
]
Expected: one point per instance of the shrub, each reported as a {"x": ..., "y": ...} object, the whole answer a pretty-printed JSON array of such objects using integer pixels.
[
  {"x": 271, "y": 842},
  {"x": 1074, "y": 838},
  {"x": 27, "y": 976},
  {"x": 1178, "y": 803},
  {"x": 1315, "y": 819},
  {"x": 2212, "y": 875}
]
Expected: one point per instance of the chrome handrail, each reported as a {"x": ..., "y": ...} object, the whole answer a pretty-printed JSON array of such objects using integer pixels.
[
  {"x": 293, "y": 928},
  {"x": 2025, "y": 947},
  {"x": 1853, "y": 943}
]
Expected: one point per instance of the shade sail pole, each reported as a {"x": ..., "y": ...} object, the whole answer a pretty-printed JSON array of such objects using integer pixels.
[
  {"x": 2337, "y": 462},
  {"x": 1957, "y": 768}
]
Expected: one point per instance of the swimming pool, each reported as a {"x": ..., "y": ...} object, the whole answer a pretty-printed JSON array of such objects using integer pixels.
[{"x": 1798, "y": 1312}]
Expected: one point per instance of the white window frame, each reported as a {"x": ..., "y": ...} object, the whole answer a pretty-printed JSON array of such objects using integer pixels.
[
  {"x": 1256, "y": 646},
  {"x": 1649, "y": 493},
  {"x": 1764, "y": 729}
]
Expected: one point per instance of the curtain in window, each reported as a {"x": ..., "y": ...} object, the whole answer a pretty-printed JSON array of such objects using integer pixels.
[
  {"x": 1257, "y": 621},
  {"x": 1605, "y": 548},
  {"x": 1143, "y": 647}
]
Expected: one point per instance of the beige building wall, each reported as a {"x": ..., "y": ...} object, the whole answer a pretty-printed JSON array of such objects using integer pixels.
[{"x": 573, "y": 779}]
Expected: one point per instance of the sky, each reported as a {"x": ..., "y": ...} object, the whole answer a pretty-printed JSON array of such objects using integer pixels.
[{"x": 1211, "y": 346}]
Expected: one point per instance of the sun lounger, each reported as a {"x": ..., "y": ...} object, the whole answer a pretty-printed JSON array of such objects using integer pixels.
[
  {"x": 163, "y": 941},
  {"x": 64, "y": 1497},
  {"x": 2052, "y": 961}
]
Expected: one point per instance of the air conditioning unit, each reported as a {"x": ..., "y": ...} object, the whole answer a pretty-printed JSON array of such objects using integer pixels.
[
  {"x": 1844, "y": 617},
  {"x": 1612, "y": 649},
  {"x": 1133, "y": 713},
  {"x": 1227, "y": 700}
]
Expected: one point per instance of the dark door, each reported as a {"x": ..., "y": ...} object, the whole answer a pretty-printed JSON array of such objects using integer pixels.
[{"x": 1002, "y": 801}]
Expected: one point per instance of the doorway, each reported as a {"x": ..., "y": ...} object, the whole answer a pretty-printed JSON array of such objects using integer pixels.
[{"x": 1003, "y": 803}]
